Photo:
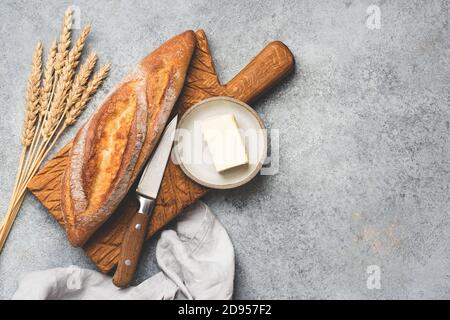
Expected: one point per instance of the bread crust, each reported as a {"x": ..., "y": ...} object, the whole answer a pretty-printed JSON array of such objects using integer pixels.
[{"x": 110, "y": 150}]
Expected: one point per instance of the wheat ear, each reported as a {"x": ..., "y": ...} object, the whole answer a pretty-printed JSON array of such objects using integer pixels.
[
  {"x": 90, "y": 90},
  {"x": 79, "y": 83},
  {"x": 59, "y": 106},
  {"x": 77, "y": 49},
  {"x": 62, "y": 75},
  {"x": 32, "y": 100},
  {"x": 64, "y": 41},
  {"x": 49, "y": 77},
  {"x": 34, "y": 105},
  {"x": 45, "y": 98},
  {"x": 29, "y": 131}
]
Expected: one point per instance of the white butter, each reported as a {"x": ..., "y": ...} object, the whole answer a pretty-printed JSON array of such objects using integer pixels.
[{"x": 224, "y": 142}]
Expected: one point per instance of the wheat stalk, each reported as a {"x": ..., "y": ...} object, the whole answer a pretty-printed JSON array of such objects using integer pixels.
[
  {"x": 75, "y": 52},
  {"x": 56, "y": 109},
  {"x": 32, "y": 110},
  {"x": 45, "y": 98},
  {"x": 91, "y": 88},
  {"x": 79, "y": 83},
  {"x": 32, "y": 100},
  {"x": 64, "y": 41},
  {"x": 51, "y": 108},
  {"x": 49, "y": 75}
]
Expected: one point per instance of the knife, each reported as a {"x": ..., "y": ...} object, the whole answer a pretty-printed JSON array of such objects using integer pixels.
[{"x": 146, "y": 193}]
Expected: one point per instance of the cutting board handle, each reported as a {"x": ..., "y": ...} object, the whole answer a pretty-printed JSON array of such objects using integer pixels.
[{"x": 271, "y": 65}]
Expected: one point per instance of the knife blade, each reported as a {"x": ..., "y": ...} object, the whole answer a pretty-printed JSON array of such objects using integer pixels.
[
  {"x": 146, "y": 192},
  {"x": 152, "y": 176}
]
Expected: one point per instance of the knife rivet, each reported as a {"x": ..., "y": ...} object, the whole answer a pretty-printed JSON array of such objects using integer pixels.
[
  {"x": 128, "y": 262},
  {"x": 138, "y": 226}
]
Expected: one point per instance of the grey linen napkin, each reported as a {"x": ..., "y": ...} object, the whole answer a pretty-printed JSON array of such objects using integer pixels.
[{"x": 196, "y": 259}]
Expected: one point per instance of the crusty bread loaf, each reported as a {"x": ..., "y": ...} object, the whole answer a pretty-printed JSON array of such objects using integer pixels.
[{"x": 110, "y": 150}]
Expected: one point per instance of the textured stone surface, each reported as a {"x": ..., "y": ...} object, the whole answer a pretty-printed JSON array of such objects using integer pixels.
[{"x": 364, "y": 129}]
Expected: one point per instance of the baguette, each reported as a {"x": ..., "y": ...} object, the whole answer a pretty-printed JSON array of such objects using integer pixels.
[{"x": 110, "y": 150}]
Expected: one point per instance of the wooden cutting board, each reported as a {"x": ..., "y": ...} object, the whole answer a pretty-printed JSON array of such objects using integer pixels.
[{"x": 177, "y": 191}]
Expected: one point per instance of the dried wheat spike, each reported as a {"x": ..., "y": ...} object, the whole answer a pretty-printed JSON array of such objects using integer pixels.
[
  {"x": 48, "y": 78},
  {"x": 32, "y": 99},
  {"x": 65, "y": 83},
  {"x": 64, "y": 42},
  {"x": 57, "y": 105},
  {"x": 81, "y": 78},
  {"x": 90, "y": 90},
  {"x": 75, "y": 52}
]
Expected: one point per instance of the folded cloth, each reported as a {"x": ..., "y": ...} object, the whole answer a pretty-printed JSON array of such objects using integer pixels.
[{"x": 196, "y": 259}]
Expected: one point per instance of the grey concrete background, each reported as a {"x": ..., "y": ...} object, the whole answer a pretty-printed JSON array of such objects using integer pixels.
[{"x": 364, "y": 140}]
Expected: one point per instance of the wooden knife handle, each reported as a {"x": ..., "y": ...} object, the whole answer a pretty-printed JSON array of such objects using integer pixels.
[
  {"x": 130, "y": 250},
  {"x": 271, "y": 65}
]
